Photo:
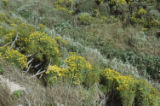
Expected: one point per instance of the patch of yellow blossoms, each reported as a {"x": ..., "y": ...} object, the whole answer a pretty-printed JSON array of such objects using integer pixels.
[
  {"x": 142, "y": 11},
  {"x": 56, "y": 72},
  {"x": 64, "y": 5},
  {"x": 128, "y": 87},
  {"x": 77, "y": 63},
  {"x": 77, "y": 70},
  {"x": 16, "y": 57}
]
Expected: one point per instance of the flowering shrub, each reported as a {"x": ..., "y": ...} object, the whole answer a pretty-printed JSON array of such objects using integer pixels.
[
  {"x": 14, "y": 57},
  {"x": 129, "y": 89},
  {"x": 55, "y": 73},
  {"x": 117, "y": 2},
  {"x": 5, "y": 1},
  {"x": 142, "y": 11},
  {"x": 121, "y": 1},
  {"x": 63, "y": 9},
  {"x": 4, "y": 18},
  {"x": 65, "y": 2},
  {"x": 78, "y": 68},
  {"x": 64, "y": 5},
  {"x": 24, "y": 30},
  {"x": 145, "y": 18},
  {"x": 42, "y": 45},
  {"x": 78, "y": 71},
  {"x": 123, "y": 84}
]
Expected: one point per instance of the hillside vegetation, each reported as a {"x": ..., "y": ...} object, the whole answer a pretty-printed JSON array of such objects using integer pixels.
[{"x": 80, "y": 52}]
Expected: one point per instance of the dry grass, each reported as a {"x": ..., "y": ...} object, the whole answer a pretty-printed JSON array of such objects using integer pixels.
[
  {"x": 36, "y": 94},
  {"x": 5, "y": 98},
  {"x": 121, "y": 38},
  {"x": 63, "y": 95}
]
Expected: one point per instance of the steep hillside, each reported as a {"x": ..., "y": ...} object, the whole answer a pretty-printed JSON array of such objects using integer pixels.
[{"x": 80, "y": 52}]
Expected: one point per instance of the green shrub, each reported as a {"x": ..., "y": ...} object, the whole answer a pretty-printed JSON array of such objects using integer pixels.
[
  {"x": 17, "y": 93},
  {"x": 85, "y": 19},
  {"x": 143, "y": 62},
  {"x": 129, "y": 91},
  {"x": 64, "y": 5},
  {"x": 3, "y": 32},
  {"x": 36, "y": 46},
  {"x": 92, "y": 78},
  {"x": 3, "y": 17},
  {"x": 22, "y": 31},
  {"x": 1, "y": 70},
  {"x": 146, "y": 64},
  {"x": 42, "y": 46}
]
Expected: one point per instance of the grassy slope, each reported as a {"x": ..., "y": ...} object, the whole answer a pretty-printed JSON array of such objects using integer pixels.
[
  {"x": 107, "y": 38},
  {"x": 36, "y": 94}
]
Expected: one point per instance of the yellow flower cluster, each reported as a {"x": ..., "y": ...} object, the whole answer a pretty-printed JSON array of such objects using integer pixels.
[
  {"x": 16, "y": 57},
  {"x": 5, "y": 1},
  {"x": 77, "y": 62},
  {"x": 63, "y": 9},
  {"x": 76, "y": 72},
  {"x": 56, "y": 72},
  {"x": 38, "y": 38},
  {"x": 60, "y": 72},
  {"x": 144, "y": 29},
  {"x": 44, "y": 38},
  {"x": 77, "y": 67},
  {"x": 142, "y": 11},
  {"x": 64, "y": 5},
  {"x": 118, "y": 2},
  {"x": 128, "y": 87},
  {"x": 141, "y": 18},
  {"x": 121, "y": 2},
  {"x": 34, "y": 34},
  {"x": 123, "y": 82}
]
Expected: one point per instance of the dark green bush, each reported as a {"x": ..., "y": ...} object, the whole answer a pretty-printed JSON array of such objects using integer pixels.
[{"x": 147, "y": 64}]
